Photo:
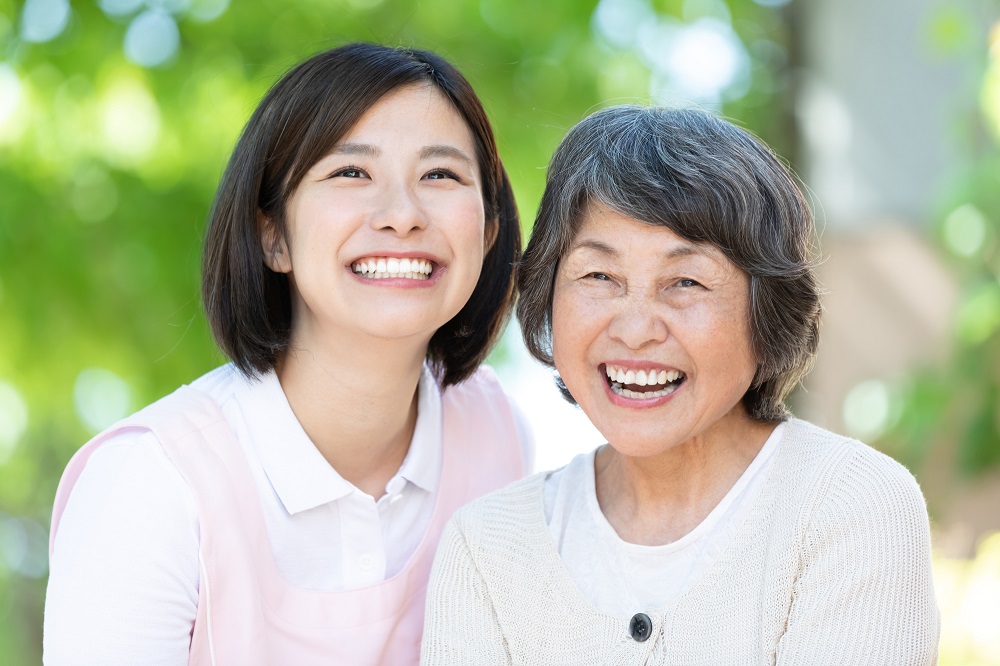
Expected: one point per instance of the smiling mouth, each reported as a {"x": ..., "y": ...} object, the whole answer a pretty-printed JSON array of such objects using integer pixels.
[
  {"x": 380, "y": 268},
  {"x": 643, "y": 384}
]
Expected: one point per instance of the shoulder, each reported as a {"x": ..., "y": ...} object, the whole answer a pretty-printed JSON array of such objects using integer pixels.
[
  {"x": 127, "y": 481},
  {"x": 512, "y": 513},
  {"x": 857, "y": 487},
  {"x": 128, "y": 459},
  {"x": 844, "y": 462}
]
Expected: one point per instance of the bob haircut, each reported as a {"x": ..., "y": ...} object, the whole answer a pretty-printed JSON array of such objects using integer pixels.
[
  {"x": 296, "y": 124},
  {"x": 708, "y": 181}
]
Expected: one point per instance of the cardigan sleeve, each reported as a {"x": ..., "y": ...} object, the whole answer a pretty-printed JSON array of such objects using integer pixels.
[
  {"x": 865, "y": 594},
  {"x": 461, "y": 627}
]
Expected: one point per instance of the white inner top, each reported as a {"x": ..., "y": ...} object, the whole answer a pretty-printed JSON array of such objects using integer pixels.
[{"x": 622, "y": 578}]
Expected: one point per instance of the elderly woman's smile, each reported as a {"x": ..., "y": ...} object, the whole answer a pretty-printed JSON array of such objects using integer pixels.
[
  {"x": 642, "y": 384},
  {"x": 651, "y": 332}
]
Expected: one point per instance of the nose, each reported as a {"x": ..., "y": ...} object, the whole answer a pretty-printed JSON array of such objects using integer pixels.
[
  {"x": 637, "y": 324},
  {"x": 400, "y": 212}
]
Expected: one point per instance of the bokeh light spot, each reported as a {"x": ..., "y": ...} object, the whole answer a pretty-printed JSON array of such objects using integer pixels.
[
  {"x": 43, "y": 20},
  {"x": 119, "y": 7},
  {"x": 101, "y": 397},
  {"x": 170, "y": 6},
  {"x": 965, "y": 230},
  {"x": 24, "y": 546},
  {"x": 979, "y": 315},
  {"x": 11, "y": 92},
  {"x": 207, "y": 10},
  {"x": 152, "y": 38},
  {"x": 13, "y": 419},
  {"x": 703, "y": 62},
  {"x": 619, "y": 21},
  {"x": 130, "y": 121},
  {"x": 867, "y": 409}
]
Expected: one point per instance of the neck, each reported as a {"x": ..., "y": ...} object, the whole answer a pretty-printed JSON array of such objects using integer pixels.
[
  {"x": 658, "y": 499},
  {"x": 357, "y": 403}
]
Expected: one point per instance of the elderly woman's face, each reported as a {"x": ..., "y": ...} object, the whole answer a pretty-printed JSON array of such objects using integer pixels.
[{"x": 651, "y": 333}]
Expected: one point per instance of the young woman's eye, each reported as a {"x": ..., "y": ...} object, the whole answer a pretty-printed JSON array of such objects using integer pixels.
[
  {"x": 442, "y": 174},
  {"x": 348, "y": 172}
]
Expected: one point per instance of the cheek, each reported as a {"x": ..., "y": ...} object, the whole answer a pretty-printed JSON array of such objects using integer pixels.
[
  {"x": 573, "y": 332},
  {"x": 730, "y": 349}
]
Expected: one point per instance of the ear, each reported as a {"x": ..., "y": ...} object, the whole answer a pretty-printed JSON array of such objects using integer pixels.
[
  {"x": 490, "y": 234},
  {"x": 273, "y": 245}
]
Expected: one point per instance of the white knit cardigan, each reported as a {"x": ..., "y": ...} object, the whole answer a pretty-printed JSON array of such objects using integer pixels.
[{"x": 831, "y": 566}]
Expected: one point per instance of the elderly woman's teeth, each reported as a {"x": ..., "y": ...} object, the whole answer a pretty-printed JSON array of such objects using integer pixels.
[
  {"x": 624, "y": 382},
  {"x": 377, "y": 268}
]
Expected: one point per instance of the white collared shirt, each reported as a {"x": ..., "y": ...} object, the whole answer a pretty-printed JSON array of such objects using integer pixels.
[{"x": 126, "y": 561}]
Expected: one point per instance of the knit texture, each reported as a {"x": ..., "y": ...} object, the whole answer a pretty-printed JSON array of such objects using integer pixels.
[{"x": 831, "y": 566}]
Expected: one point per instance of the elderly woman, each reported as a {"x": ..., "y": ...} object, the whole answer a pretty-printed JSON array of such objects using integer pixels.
[{"x": 668, "y": 280}]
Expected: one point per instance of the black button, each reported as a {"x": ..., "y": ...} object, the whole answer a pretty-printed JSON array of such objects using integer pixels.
[{"x": 640, "y": 627}]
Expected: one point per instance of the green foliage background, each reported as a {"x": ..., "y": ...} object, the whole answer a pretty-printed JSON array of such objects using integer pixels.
[{"x": 107, "y": 171}]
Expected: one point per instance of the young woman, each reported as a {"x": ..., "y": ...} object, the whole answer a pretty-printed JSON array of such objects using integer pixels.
[{"x": 285, "y": 508}]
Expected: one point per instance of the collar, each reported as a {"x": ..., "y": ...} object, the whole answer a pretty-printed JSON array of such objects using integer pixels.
[{"x": 301, "y": 477}]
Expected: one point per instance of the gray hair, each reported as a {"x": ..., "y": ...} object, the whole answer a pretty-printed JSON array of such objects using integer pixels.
[{"x": 708, "y": 181}]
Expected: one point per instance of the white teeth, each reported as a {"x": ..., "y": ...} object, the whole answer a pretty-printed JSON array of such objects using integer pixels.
[
  {"x": 644, "y": 377},
  {"x": 378, "y": 268}
]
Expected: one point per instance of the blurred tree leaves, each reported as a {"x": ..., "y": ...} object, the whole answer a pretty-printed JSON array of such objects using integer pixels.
[
  {"x": 107, "y": 170},
  {"x": 955, "y": 409}
]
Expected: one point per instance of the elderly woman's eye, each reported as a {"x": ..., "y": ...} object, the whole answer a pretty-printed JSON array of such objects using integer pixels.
[
  {"x": 599, "y": 276},
  {"x": 688, "y": 282}
]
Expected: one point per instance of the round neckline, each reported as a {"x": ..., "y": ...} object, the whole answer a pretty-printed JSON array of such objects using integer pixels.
[
  {"x": 575, "y": 597},
  {"x": 699, "y": 531}
]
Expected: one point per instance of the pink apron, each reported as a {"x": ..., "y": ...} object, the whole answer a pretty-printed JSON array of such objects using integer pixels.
[{"x": 247, "y": 613}]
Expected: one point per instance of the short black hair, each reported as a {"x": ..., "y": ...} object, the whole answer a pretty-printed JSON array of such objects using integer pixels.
[
  {"x": 708, "y": 181},
  {"x": 296, "y": 124}
]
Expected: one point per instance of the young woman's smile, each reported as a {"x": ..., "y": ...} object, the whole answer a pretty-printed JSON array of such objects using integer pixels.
[{"x": 386, "y": 233}]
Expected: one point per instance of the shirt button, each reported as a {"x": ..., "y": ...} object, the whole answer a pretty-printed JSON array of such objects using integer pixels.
[
  {"x": 640, "y": 627},
  {"x": 366, "y": 562}
]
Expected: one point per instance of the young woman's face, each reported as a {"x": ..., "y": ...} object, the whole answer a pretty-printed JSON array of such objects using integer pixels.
[
  {"x": 386, "y": 233},
  {"x": 651, "y": 334}
]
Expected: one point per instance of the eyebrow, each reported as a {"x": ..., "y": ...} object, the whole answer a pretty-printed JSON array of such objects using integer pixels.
[
  {"x": 686, "y": 250},
  {"x": 427, "y": 152},
  {"x": 445, "y": 151},
  {"x": 363, "y": 149}
]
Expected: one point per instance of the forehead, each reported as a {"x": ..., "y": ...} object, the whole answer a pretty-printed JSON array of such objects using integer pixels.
[
  {"x": 418, "y": 110},
  {"x": 604, "y": 230}
]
